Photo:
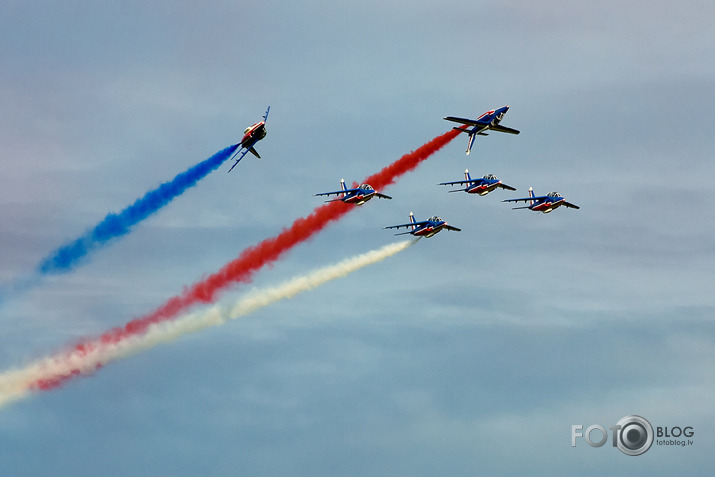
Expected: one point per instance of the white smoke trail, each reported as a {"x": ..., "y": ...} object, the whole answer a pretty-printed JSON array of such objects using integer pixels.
[{"x": 17, "y": 384}]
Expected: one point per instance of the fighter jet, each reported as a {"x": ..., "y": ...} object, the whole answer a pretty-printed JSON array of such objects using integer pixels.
[
  {"x": 251, "y": 136},
  {"x": 426, "y": 228},
  {"x": 481, "y": 186},
  {"x": 487, "y": 121},
  {"x": 545, "y": 203},
  {"x": 357, "y": 196}
]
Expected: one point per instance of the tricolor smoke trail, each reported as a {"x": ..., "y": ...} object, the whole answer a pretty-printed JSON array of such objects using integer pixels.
[
  {"x": 51, "y": 371},
  {"x": 115, "y": 225},
  {"x": 252, "y": 259}
]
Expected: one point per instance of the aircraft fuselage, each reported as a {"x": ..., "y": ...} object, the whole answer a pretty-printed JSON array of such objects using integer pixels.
[
  {"x": 253, "y": 134},
  {"x": 429, "y": 230},
  {"x": 481, "y": 189},
  {"x": 547, "y": 206},
  {"x": 360, "y": 198}
]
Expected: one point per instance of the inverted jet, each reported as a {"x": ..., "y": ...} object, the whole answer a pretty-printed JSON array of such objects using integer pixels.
[{"x": 488, "y": 121}]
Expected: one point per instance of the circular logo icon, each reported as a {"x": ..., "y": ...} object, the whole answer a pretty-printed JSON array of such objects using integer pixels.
[{"x": 635, "y": 435}]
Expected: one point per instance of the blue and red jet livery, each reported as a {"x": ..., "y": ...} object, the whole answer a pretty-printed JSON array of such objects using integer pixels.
[
  {"x": 426, "y": 228},
  {"x": 545, "y": 203},
  {"x": 357, "y": 196},
  {"x": 481, "y": 186},
  {"x": 487, "y": 121},
  {"x": 251, "y": 136}
]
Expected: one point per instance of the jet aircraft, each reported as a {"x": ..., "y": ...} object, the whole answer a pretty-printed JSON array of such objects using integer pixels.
[
  {"x": 545, "y": 203},
  {"x": 426, "y": 228},
  {"x": 251, "y": 136},
  {"x": 357, "y": 196},
  {"x": 481, "y": 186},
  {"x": 487, "y": 121}
]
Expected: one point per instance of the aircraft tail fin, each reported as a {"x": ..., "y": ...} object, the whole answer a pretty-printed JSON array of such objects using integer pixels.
[
  {"x": 531, "y": 194},
  {"x": 412, "y": 220},
  {"x": 467, "y": 177}
]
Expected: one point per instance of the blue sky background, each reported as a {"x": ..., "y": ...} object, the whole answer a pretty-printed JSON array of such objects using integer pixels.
[{"x": 470, "y": 353}]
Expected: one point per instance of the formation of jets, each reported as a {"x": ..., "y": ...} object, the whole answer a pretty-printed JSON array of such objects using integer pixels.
[{"x": 489, "y": 121}]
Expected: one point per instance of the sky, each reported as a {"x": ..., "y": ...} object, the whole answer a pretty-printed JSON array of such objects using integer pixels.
[{"x": 468, "y": 353}]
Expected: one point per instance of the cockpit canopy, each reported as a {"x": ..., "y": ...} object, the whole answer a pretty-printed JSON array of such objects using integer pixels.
[
  {"x": 366, "y": 187},
  {"x": 553, "y": 194},
  {"x": 491, "y": 177},
  {"x": 435, "y": 218}
]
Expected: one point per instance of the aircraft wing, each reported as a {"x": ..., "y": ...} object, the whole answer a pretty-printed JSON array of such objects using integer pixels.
[
  {"x": 245, "y": 151},
  {"x": 570, "y": 205},
  {"x": 338, "y": 192},
  {"x": 382, "y": 196},
  {"x": 504, "y": 186},
  {"x": 469, "y": 122},
  {"x": 455, "y": 182},
  {"x": 504, "y": 129},
  {"x": 525, "y": 199},
  {"x": 265, "y": 116},
  {"x": 416, "y": 224},
  {"x": 449, "y": 227}
]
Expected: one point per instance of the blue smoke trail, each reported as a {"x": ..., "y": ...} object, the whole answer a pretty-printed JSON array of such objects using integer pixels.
[{"x": 114, "y": 225}]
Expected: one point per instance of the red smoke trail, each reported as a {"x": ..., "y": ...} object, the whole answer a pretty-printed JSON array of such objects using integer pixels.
[{"x": 252, "y": 259}]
